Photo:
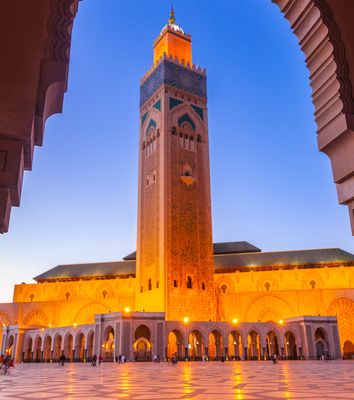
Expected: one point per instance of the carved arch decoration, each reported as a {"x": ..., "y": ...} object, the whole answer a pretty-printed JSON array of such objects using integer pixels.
[
  {"x": 343, "y": 309},
  {"x": 268, "y": 308},
  {"x": 36, "y": 318},
  {"x": 320, "y": 38},
  {"x": 86, "y": 314}
]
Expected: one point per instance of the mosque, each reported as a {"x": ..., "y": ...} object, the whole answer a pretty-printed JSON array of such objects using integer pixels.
[{"x": 180, "y": 292}]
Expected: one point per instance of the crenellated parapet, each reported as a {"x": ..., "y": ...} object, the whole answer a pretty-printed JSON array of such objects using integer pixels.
[{"x": 173, "y": 72}]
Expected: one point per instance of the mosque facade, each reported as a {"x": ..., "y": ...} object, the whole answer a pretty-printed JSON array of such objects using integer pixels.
[{"x": 179, "y": 293}]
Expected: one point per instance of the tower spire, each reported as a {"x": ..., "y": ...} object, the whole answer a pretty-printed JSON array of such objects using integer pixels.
[{"x": 172, "y": 18}]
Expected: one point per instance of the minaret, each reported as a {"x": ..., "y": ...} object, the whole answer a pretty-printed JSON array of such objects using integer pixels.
[{"x": 174, "y": 244}]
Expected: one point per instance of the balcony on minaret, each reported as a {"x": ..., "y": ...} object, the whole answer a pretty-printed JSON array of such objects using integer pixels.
[{"x": 174, "y": 42}]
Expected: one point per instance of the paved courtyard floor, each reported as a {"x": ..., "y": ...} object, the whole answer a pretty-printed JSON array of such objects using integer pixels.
[{"x": 212, "y": 380}]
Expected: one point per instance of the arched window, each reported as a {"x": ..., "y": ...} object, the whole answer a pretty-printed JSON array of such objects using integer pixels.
[
  {"x": 203, "y": 286},
  {"x": 67, "y": 296},
  {"x": 199, "y": 139},
  {"x": 267, "y": 286},
  {"x": 313, "y": 283},
  {"x": 223, "y": 288},
  {"x": 141, "y": 289},
  {"x": 174, "y": 131},
  {"x": 104, "y": 294},
  {"x": 175, "y": 283},
  {"x": 149, "y": 284},
  {"x": 189, "y": 282},
  {"x": 32, "y": 297},
  {"x": 157, "y": 284}
]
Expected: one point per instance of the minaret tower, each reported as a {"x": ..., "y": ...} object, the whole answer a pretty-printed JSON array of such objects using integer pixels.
[{"x": 174, "y": 244}]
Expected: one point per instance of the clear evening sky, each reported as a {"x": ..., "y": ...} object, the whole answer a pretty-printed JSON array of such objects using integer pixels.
[{"x": 270, "y": 184}]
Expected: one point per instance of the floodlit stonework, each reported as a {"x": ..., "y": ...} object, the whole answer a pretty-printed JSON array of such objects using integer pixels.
[{"x": 180, "y": 293}]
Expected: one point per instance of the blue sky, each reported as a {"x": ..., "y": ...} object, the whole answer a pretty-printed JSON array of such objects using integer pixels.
[{"x": 270, "y": 184}]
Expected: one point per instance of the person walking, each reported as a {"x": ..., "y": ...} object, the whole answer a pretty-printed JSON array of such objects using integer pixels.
[
  {"x": 100, "y": 359},
  {"x": 62, "y": 360},
  {"x": 94, "y": 360},
  {"x": 6, "y": 364}
]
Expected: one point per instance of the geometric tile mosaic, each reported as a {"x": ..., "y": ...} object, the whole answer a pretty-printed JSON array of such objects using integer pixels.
[{"x": 197, "y": 381}]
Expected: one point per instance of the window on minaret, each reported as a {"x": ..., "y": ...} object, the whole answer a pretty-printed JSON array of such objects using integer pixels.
[
  {"x": 31, "y": 297},
  {"x": 149, "y": 284},
  {"x": 175, "y": 283},
  {"x": 104, "y": 294},
  {"x": 67, "y": 296},
  {"x": 203, "y": 286},
  {"x": 157, "y": 284},
  {"x": 141, "y": 289},
  {"x": 189, "y": 282}
]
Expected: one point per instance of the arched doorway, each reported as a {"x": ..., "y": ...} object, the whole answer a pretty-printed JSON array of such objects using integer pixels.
[
  {"x": 10, "y": 346},
  {"x": 348, "y": 350},
  {"x": 108, "y": 345},
  {"x": 90, "y": 341},
  {"x": 175, "y": 344},
  {"x": 37, "y": 351},
  {"x": 47, "y": 349},
  {"x": 290, "y": 346},
  {"x": 28, "y": 350},
  {"x": 253, "y": 346},
  {"x": 80, "y": 347},
  {"x": 322, "y": 348},
  {"x": 57, "y": 347},
  {"x": 196, "y": 347},
  {"x": 235, "y": 345},
  {"x": 142, "y": 345},
  {"x": 272, "y": 344},
  {"x": 68, "y": 346},
  {"x": 216, "y": 350}
]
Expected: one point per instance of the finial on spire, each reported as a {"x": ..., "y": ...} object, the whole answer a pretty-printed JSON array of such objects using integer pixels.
[{"x": 172, "y": 18}]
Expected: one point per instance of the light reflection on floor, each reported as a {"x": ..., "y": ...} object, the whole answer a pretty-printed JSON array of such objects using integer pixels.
[{"x": 195, "y": 381}]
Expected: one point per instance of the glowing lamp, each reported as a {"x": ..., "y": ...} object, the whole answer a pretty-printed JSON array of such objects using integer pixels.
[
  {"x": 127, "y": 309},
  {"x": 186, "y": 320},
  {"x": 281, "y": 322},
  {"x": 75, "y": 324},
  {"x": 234, "y": 321}
]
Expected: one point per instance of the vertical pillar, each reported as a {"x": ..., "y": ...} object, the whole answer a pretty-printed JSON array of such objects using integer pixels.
[
  {"x": 282, "y": 352},
  {"x": 264, "y": 356},
  {"x": 186, "y": 353},
  {"x": 206, "y": 352},
  {"x": 226, "y": 352},
  {"x": 245, "y": 355}
]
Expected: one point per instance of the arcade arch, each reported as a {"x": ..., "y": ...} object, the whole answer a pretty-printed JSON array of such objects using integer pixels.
[
  {"x": 57, "y": 348},
  {"x": 108, "y": 345},
  {"x": 175, "y": 344},
  {"x": 235, "y": 345},
  {"x": 80, "y": 347},
  {"x": 68, "y": 346},
  {"x": 142, "y": 345},
  {"x": 37, "y": 349}
]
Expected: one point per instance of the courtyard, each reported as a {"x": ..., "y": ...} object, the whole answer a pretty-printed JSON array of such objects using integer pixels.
[{"x": 212, "y": 380}]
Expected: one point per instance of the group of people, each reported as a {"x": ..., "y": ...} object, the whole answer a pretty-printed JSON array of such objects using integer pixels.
[{"x": 6, "y": 362}]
